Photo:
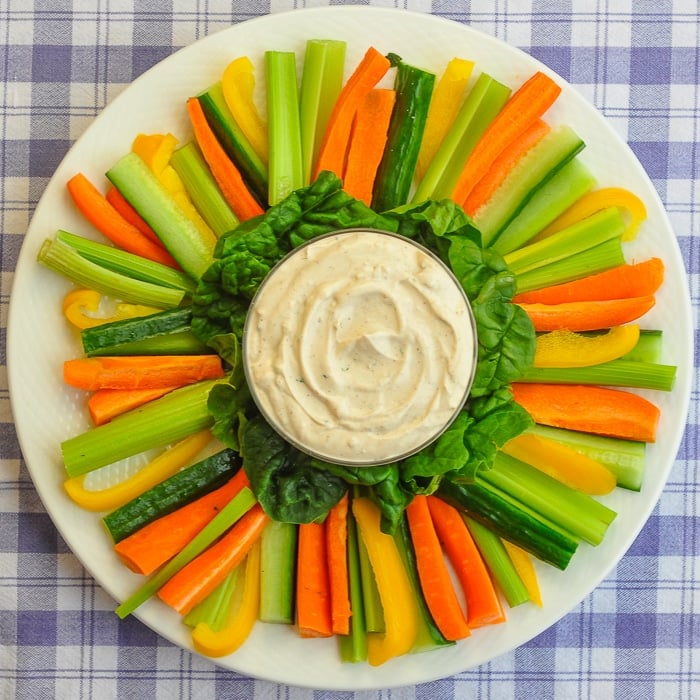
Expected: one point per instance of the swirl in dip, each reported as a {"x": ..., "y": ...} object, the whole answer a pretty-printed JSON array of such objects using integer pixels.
[{"x": 359, "y": 347}]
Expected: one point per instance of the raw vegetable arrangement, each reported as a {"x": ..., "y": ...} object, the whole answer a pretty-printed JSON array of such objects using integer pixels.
[{"x": 230, "y": 525}]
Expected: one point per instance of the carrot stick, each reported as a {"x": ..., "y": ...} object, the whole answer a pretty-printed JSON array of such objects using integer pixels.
[
  {"x": 436, "y": 583},
  {"x": 339, "y": 578},
  {"x": 587, "y": 315},
  {"x": 334, "y": 145},
  {"x": 195, "y": 581},
  {"x": 503, "y": 164},
  {"x": 152, "y": 545},
  {"x": 225, "y": 172},
  {"x": 105, "y": 404},
  {"x": 140, "y": 371},
  {"x": 106, "y": 219},
  {"x": 369, "y": 135},
  {"x": 526, "y": 105},
  {"x": 590, "y": 409},
  {"x": 122, "y": 205},
  {"x": 483, "y": 604},
  {"x": 313, "y": 595},
  {"x": 621, "y": 282}
]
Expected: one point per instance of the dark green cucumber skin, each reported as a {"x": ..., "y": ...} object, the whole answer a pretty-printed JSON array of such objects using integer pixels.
[
  {"x": 520, "y": 526},
  {"x": 414, "y": 88},
  {"x": 173, "y": 493}
]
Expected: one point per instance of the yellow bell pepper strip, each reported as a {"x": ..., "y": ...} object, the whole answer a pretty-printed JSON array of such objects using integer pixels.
[
  {"x": 238, "y": 84},
  {"x": 81, "y": 308},
  {"x": 160, "y": 468},
  {"x": 564, "y": 348},
  {"x": 242, "y": 613},
  {"x": 444, "y": 105},
  {"x": 596, "y": 200},
  {"x": 156, "y": 150},
  {"x": 563, "y": 463},
  {"x": 526, "y": 570},
  {"x": 393, "y": 583}
]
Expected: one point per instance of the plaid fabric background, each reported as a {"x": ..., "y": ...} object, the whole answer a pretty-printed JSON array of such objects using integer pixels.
[{"x": 636, "y": 636}]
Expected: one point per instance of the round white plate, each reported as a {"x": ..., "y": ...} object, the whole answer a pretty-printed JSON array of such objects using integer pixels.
[{"x": 46, "y": 412}]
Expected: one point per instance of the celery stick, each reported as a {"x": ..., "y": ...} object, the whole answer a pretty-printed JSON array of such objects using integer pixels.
[
  {"x": 481, "y": 105},
  {"x": 277, "y": 566},
  {"x": 212, "y": 609},
  {"x": 372, "y": 602},
  {"x": 126, "y": 263},
  {"x": 228, "y": 515},
  {"x": 353, "y": 646},
  {"x": 599, "y": 258},
  {"x": 140, "y": 187},
  {"x": 156, "y": 424},
  {"x": 203, "y": 189},
  {"x": 549, "y": 201},
  {"x": 321, "y": 83},
  {"x": 648, "y": 347},
  {"x": 624, "y": 458},
  {"x": 498, "y": 562},
  {"x": 65, "y": 260},
  {"x": 285, "y": 167},
  {"x": 620, "y": 372}
]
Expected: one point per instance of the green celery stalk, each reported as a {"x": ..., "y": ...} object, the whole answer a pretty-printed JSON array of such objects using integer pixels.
[
  {"x": 371, "y": 601},
  {"x": 321, "y": 83},
  {"x": 203, "y": 189},
  {"x": 212, "y": 610},
  {"x": 284, "y": 128},
  {"x": 139, "y": 186},
  {"x": 648, "y": 347},
  {"x": 223, "y": 520},
  {"x": 158, "y": 423},
  {"x": 353, "y": 646},
  {"x": 67, "y": 261},
  {"x": 277, "y": 566}
]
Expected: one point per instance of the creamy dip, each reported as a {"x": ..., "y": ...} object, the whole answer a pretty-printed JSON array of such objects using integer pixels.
[{"x": 359, "y": 347}]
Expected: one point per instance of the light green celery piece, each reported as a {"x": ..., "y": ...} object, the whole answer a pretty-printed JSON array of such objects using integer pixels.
[
  {"x": 203, "y": 189},
  {"x": 599, "y": 258},
  {"x": 321, "y": 83},
  {"x": 353, "y": 646},
  {"x": 372, "y": 602},
  {"x": 278, "y": 548},
  {"x": 552, "y": 199},
  {"x": 480, "y": 107},
  {"x": 284, "y": 128},
  {"x": 216, "y": 527},
  {"x": 156, "y": 424},
  {"x": 648, "y": 347},
  {"x": 127, "y": 263},
  {"x": 67, "y": 261},
  {"x": 498, "y": 563},
  {"x": 212, "y": 610},
  {"x": 140, "y": 187}
]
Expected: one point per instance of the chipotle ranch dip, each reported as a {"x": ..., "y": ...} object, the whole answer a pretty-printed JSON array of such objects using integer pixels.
[{"x": 359, "y": 347}]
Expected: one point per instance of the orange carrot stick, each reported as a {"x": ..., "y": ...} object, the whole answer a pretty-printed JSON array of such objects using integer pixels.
[
  {"x": 106, "y": 219},
  {"x": 224, "y": 170},
  {"x": 629, "y": 280},
  {"x": 334, "y": 145},
  {"x": 590, "y": 409},
  {"x": 503, "y": 164},
  {"x": 528, "y": 103},
  {"x": 313, "y": 596},
  {"x": 587, "y": 315},
  {"x": 105, "y": 404},
  {"x": 195, "y": 581},
  {"x": 152, "y": 545},
  {"x": 122, "y": 205},
  {"x": 140, "y": 371},
  {"x": 434, "y": 576},
  {"x": 483, "y": 604},
  {"x": 337, "y": 552},
  {"x": 367, "y": 143}
]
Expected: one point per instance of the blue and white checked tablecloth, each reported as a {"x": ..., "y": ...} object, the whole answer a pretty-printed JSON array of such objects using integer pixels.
[{"x": 61, "y": 62}]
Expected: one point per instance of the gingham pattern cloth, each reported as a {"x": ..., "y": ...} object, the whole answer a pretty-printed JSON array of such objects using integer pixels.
[{"x": 636, "y": 636}]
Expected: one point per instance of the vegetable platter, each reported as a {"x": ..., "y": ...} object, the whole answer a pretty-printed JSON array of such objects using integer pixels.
[{"x": 48, "y": 411}]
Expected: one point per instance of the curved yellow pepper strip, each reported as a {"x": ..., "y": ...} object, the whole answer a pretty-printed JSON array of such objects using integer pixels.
[
  {"x": 156, "y": 150},
  {"x": 242, "y": 613},
  {"x": 164, "y": 465},
  {"x": 526, "y": 570},
  {"x": 564, "y": 348},
  {"x": 596, "y": 200},
  {"x": 238, "y": 85},
  {"x": 80, "y": 307},
  {"x": 394, "y": 586}
]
